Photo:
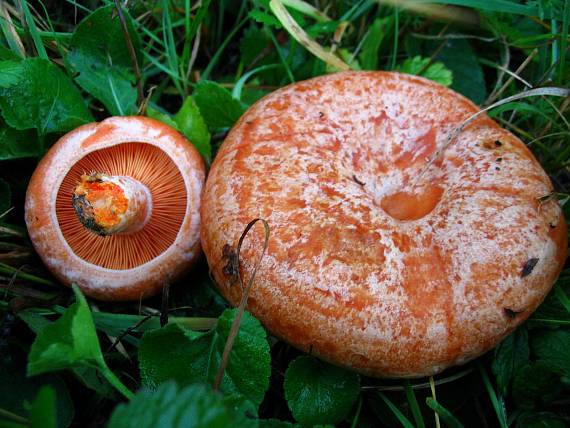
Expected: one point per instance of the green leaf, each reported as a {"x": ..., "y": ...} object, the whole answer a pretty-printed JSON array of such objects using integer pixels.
[
  {"x": 468, "y": 78},
  {"x": 191, "y": 123},
  {"x": 163, "y": 117},
  {"x": 16, "y": 144},
  {"x": 195, "y": 357},
  {"x": 43, "y": 98},
  {"x": 319, "y": 393},
  {"x": 265, "y": 18},
  {"x": 99, "y": 54},
  {"x": 10, "y": 73},
  {"x": 43, "y": 413},
  {"x": 371, "y": 44},
  {"x": 510, "y": 355},
  {"x": 553, "y": 349},
  {"x": 69, "y": 342},
  {"x": 534, "y": 383},
  {"x": 5, "y": 196},
  {"x": 419, "y": 66},
  {"x": 195, "y": 406},
  {"x": 217, "y": 106}
]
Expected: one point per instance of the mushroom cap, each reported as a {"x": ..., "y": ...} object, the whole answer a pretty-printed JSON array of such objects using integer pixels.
[
  {"x": 379, "y": 259},
  {"x": 129, "y": 266}
]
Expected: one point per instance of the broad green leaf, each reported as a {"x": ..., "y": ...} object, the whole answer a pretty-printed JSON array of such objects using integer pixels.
[
  {"x": 275, "y": 423},
  {"x": 10, "y": 73},
  {"x": 217, "y": 106},
  {"x": 16, "y": 144},
  {"x": 468, "y": 78},
  {"x": 534, "y": 383},
  {"x": 422, "y": 67},
  {"x": 69, "y": 342},
  {"x": 163, "y": 117},
  {"x": 553, "y": 349},
  {"x": 195, "y": 357},
  {"x": 319, "y": 393},
  {"x": 99, "y": 54},
  {"x": 195, "y": 406},
  {"x": 5, "y": 196},
  {"x": 510, "y": 355},
  {"x": 191, "y": 123},
  {"x": 43, "y": 98},
  {"x": 371, "y": 44},
  {"x": 43, "y": 413}
]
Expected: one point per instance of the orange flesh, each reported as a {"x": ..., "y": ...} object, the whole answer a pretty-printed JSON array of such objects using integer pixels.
[
  {"x": 151, "y": 167},
  {"x": 411, "y": 206},
  {"x": 107, "y": 199}
]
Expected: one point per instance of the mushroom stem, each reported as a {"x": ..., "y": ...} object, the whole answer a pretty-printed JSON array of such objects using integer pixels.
[{"x": 109, "y": 205}]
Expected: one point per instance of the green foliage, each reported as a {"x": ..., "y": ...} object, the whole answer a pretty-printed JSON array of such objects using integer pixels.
[
  {"x": 16, "y": 144},
  {"x": 510, "y": 355},
  {"x": 195, "y": 357},
  {"x": 423, "y": 67},
  {"x": 43, "y": 98},
  {"x": 69, "y": 343},
  {"x": 192, "y": 125},
  {"x": 100, "y": 59},
  {"x": 43, "y": 413},
  {"x": 217, "y": 106},
  {"x": 204, "y": 62},
  {"x": 318, "y": 393},
  {"x": 195, "y": 406}
]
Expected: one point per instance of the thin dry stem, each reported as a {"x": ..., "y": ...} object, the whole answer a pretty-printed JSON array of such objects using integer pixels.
[{"x": 243, "y": 302}]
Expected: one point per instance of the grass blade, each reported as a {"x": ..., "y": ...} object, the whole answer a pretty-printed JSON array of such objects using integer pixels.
[
  {"x": 301, "y": 36},
  {"x": 414, "y": 406},
  {"x": 450, "y": 420},
  {"x": 497, "y": 401},
  {"x": 34, "y": 32},
  {"x": 399, "y": 415}
]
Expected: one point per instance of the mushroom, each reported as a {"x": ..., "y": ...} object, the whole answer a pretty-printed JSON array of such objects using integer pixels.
[
  {"x": 388, "y": 255},
  {"x": 114, "y": 207}
]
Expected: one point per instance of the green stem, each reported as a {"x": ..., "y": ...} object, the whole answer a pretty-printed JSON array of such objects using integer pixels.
[
  {"x": 13, "y": 416},
  {"x": 114, "y": 380}
]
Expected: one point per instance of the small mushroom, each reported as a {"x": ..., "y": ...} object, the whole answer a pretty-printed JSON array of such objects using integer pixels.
[{"x": 114, "y": 207}]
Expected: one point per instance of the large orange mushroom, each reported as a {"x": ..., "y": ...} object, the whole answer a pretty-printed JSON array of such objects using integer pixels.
[
  {"x": 114, "y": 207},
  {"x": 384, "y": 256}
]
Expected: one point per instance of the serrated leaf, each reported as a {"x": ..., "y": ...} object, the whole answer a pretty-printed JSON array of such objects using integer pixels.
[
  {"x": 16, "y": 144},
  {"x": 5, "y": 196},
  {"x": 69, "y": 342},
  {"x": 511, "y": 354},
  {"x": 191, "y": 123},
  {"x": 217, "y": 106},
  {"x": 419, "y": 66},
  {"x": 319, "y": 393},
  {"x": 534, "y": 383},
  {"x": 43, "y": 98},
  {"x": 195, "y": 357},
  {"x": 553, "y": 349},
  {"x": 195, "y": 406},
  {"x": 99, "y": 54}
]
